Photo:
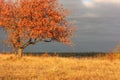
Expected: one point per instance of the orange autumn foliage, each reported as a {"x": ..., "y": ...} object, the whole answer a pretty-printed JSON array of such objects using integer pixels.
[{"x": 30, "y": 21}]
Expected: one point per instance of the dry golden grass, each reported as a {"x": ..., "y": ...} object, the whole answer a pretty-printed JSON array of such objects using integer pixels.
[{"x": 57, "y": 68}]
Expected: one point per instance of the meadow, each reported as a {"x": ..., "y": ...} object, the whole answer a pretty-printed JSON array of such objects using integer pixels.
[{"x": 46, "y": 67}]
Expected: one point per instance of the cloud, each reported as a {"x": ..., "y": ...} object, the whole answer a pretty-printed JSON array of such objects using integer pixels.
[
  {"x": 107, "y": 1},
  {"x": 94, "y": 3},
  {"x": 92, "y": 8},
  {"x": 89, "y": 15}
]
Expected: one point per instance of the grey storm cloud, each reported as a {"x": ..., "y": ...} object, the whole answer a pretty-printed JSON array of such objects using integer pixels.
[{"x": 97, "y": 22}]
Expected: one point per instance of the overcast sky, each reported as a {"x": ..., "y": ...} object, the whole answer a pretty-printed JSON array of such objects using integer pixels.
[
  {"x": 97, "y": 27},
  {"x": 93, "y": 8}
]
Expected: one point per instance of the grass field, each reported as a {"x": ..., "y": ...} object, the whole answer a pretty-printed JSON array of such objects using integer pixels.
[{"x": 58, "y": 68}]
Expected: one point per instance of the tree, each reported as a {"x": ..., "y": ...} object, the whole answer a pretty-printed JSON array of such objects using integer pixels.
[{"x": 30, "y": 21}]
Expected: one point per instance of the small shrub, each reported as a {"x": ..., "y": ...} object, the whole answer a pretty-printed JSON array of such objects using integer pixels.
[
  {"x": 46, "y": 55},
  {"x": 111, "y": 56}
]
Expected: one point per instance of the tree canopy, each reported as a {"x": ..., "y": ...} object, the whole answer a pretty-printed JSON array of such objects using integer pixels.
[{"x": 30, "y": 21}]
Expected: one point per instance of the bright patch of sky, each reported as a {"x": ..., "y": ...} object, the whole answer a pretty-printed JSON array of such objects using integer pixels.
[{"x": 88, "y": 3}]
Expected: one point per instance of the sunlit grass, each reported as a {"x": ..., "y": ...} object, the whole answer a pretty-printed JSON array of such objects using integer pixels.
[{"x": 57, "y": 68}]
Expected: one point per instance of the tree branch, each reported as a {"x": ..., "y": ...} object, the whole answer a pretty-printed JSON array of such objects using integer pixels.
[
  {"x": 27, "y": 43},
  {"x": 30, "y": 42}
]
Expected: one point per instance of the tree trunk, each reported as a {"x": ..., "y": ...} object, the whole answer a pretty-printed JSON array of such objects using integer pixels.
[
  {"x": 20, "y": 52},
  {"x": 15, "y": 51}
]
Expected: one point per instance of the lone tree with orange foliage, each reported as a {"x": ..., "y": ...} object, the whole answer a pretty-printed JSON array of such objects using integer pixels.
[{"x": 30, "y": 21}]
